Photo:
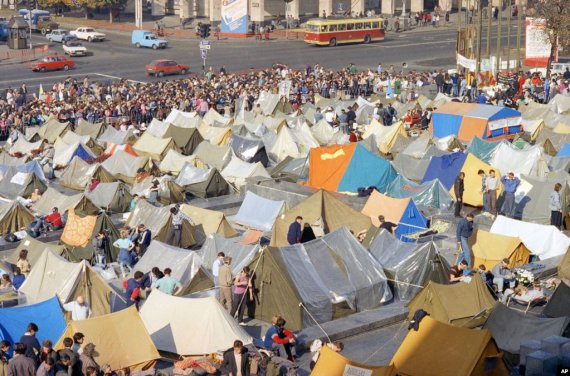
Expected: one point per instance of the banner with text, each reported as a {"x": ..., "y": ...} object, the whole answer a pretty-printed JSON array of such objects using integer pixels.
[
  {"x": 537, "y": 44},
  {"x": 234, "y": 16}
]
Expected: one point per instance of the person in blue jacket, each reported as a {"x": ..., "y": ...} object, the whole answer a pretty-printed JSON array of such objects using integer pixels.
[
  {"x": 510, "y": 182},
  {"x": 295, "y": 231}
]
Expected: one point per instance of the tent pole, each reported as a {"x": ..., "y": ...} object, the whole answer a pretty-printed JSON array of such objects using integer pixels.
[
  {"x": 316, "y": 322},
  {"x": 246, "y": 290}
]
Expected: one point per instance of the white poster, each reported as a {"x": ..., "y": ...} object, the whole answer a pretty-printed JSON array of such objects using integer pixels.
[
  {"x": 356, "y": 371},
  {"x": 537, "y": 44},
  {"x": 234, "y": 16},
  {"x": 470, "y": 64},
  {"x": 284, "y": 88}
]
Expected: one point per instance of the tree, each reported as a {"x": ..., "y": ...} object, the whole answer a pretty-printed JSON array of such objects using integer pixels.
[
  {"x": 86, "y": 5},
  {"x": 556, "y": 14}
]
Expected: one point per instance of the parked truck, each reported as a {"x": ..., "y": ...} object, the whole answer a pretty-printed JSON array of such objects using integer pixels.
[{"x": 40, "y": 20}]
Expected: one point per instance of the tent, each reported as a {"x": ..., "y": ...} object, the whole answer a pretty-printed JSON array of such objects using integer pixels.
[
  {"x": 185, "y": 139},
  {"x": 291, "y": 169},
  {"x": 401, "y": 211},
  {"x": 544, "y": 241},
  {"x": 212, "y": 117},
  {"x": 237, "y": 171},
  {"x": 53, "y": 275},
  {"x": 419, "y": 147},
  {"x": 113, "y": 197},
  {"x": 511, "y": 328},
  {"x": 79, "y": 231},
  {"x": 8, "y": 160},
  {"x": 324, "y": 213},
  {"x": 385, "y": 137},
  {"x": 202, "y": 183},
  {"x": 445, "y": 168},
  {"x": 331, "y": 363},
  {"x": 429, "y": 196},
  {"x": 438, "y": 349},
  {"x": 241, "y": 254},
  {"x": 182, "y": 119},
  {"x": 71, "y": 138},
  {"x": 557, "y": 305},
  {"x": 153, "y": 147},
  {"x": 20, "y": 181},
  {"x": 46, "y": 314},
  {"x": 564, "y": 267},
  {"x": 51, "y": 130},
  {"x": 468, "y": 120},
  {"x": 86, "y": 128},
  {"x": 79, "y": 174},
  {"x": 249, "y": 150},
  {"x": 35, "y": 250},
  {"x": 159, "y": 221},
  {"x": 64, "y": 152},
  {"x": 483, "y": 149},
  {"x": 332, "y": 276},
  {"x": 458, "y": 304},
  {"x": 408, "y": 265},
  {"x": 215, "y": 135},
  {"x": 490, "y": 249},
  {"x": 412, "y": 168},
  {"x": 112, "y": 148},
  {"x": 549, "y": 148},
  {"x": 185, "y": 264},
  {"x": 345, "y": 168},
  {"x": 473, "y": 195},
  {"x": 124, "y": 166},
  {"x": 212, "y": 222},
  {"x": 24, "y": 147},
  {"x": 560, "y": 104},
  {"x": 53, "y": 198},
  {"x": 14, "y": 217},
  {"x": 508, "y": 158},
  {"x": 125, "y": 342},
  {"x": 258, "y": 212},
  {"x": 532, "y": 197},
  {"x": 213, "y": 155},
  {"x": 532, "y": 127},
  {"x": 173, "y": 162},
  {"x": 170, "y": 192},
  {"x": 292, "y": 142},
  {"x": 211, "y": 327},
  {"x": 115, "y": 136}
]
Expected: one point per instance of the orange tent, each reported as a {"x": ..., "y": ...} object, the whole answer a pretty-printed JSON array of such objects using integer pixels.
[
  {"x": 112, "y": 148},
  {"x": 328, "y": 165}
]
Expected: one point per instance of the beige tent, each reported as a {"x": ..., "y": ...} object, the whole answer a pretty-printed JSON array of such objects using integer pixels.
[
  {"x": 79, "y": 174},
  {"x": 153, "y": 147},
  {"x": 213, "y": 155},
  {"x": 324, "y": 213},
  {"x": 385, "y": 136},
  {"x": 50, "y": 130},
  {"x": 121, "y": 339},
  {"x": 490, "y": 249},
  {"x": 8, "y": 160},
  {"x": 237, "y": 171},
  {"x": 190, "y": 326},
  {"x": 438, "y": 349},
  {"x": 22, "y": 146},
  {"x": 215, "y": 135},
  {"x": 35, "y": 250},
  {"x": 174, "y": 161},
  {"x": 212, "y": 222},
  {"x": 124, "y": 166},
  {"x": 13, "y": 217},
  {"x": 86, "y": 128},
  {"x": 53, "y": 275},
  {"x": 212, "y": 117},
  {"x": 53, "y": 198},
  {"x": 170, "y": 192},
  {"x": 331, "y": 363},
  {"x": 72, "y": 137}
]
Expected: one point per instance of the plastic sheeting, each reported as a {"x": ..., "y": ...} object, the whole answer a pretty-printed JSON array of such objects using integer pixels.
[
  {"x": 484, "y": 150},
  {"x": 293, "y": 169},
  {"x": 507, "y": 158},
  {"x": 430, "y": 195},
  {"x": 241, "y": 254},
  {"x": 258, "y": 212},
  {"x": 16, "y": 183},
  {"x": 445, "y": 168},
  {"x": 248, "y": 149}
]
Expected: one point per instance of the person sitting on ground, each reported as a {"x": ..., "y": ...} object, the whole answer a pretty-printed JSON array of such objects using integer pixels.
[
  {"x": 280, "y": 340},
  {"x": 388, "y": 226},
  {"x": 53, "y": 221},
  {"x": 486, "y": 276},
  {"x": 457, "y": 272},
  {"x": 317, "y": 345},
  {"x": 503, "y": 274},
  {"x": 236, "y": 360}
]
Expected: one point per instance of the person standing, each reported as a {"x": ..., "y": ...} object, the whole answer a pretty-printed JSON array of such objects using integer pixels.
[
  {"x": 4, "y": 357},
  {"x": 23, "y": 263},
  {"x": 175, "y": 233},
  {"x": 218, "y": 262},
  {"x": 79, "y": 309},
  {"x": 31, "y": 343},
  {"x": 132, "y": 289},
  {"x": 100, "y": 244},
  {"x": 125, "y": 257},
  {"x": 144, "y": 239},
  {"x": 510, "y": 182},
  {"x": 458, "y": 189},
  {"x": 225, "y": 283},
  {"x": 555, "y": 206},
  {"x": 481, "y": 173},
  {"x": 236, "y": 361},
  {"x": 20, "y": 364},
  {"x": 294, "y": 234},
  {"x": 241, "y": 288},
  {"x": 464, "y": 231},
  {"x": 168, "y": 284},
  {"x": 492, "y": 185}
]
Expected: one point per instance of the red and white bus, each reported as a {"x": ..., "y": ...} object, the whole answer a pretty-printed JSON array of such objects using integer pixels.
[{"x": 330, "y": 32}]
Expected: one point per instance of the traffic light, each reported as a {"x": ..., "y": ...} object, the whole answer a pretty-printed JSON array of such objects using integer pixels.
[{"x": 204, "y": 31}]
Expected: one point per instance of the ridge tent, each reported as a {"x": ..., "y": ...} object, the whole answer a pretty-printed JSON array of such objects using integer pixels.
[
  {"x": 237, "y": 172},
  {"x": 324, "y": 213},
  {"x": 19, "y": 182},
  {"x": 332, "y": 276},
  {"x": 556, "y": 139},
  {"x": 458, "y": 304},
  {"x": 53, "y": 198},
  {"x": 80, "y": 230},
  {"x": 212, "y": 222},
  {"x": 112, "y": 148},
  {"x": 412, "y": 168},
  {"x": 53, "y": 275},
  {"x": 50, "y": 130},
  {"x": 473, "y": 182},
  {"x": 549, "y": 148},
  {"x": 14, "y": 217},
  {"x": 64, "y": 153},
  {"x": 249, "y": 149},
  {"x": 159, "y": 221},
  {"x": 35, "y": 250},
  {"x": 429, "y": 196},
  {"x": 32, "y": 166},
  {"x": 294, "y": 142},
  {"x": 419, "y": 147},
  {"x": 202, "y": 183},
  {"x": 214, "y": 135},
  {"x": 79, "y": 174},
  {"x": 71, "y": 137},
  {"x": 401, "y": 211},
  {"x": 560, "y": 104},
  {"x": 87, "y": 128},
  {"x": 291, "y": 169},
  {"x": 258, "y": 212},
  {"x": 544, "y": 241},
  {"x": 562, "y": 129},
  {"x": 211, "y": 326},
  {"x": 331, "y": 363},
  {"x": 113, "y": 197},
  {"x": 124, "y": 166},
  {"x": 213, "y": 155},
  {"x": 8, "y": 160},
  {"x": 46, "y": 314},
  {"x": 445, "y": 168},
  {"x": 170, "y": 192},
  {"x": 116, "y": 136},
  {"x": 467, "y": 120},
  {"x": 490, "y": 249},
  {"x": 153, "y": 147},
  {"x": 437, "y": 349},
  {"x": 557, "y": 305},
  {"x": 24, "y": 147},
  {"x": 408, "y": 265},
  {"x": 400, "y": 144},
  {"x": 183, "y": 119},
  {"x": 511, "y": 328},
  {"x": 483, "y": 149},
  {"x": 385, "y": 136},
  {"x": 345, "y": 168},
  {"x": 323, "y": 132},
  {"x": 532, "y": 127},
  {"x": 124, "y": 343},
  {"x": 185, "y": 139},
  {"x": 532, "y": 197},
  {"x": 186, "y": 265},
  {"x": 508, "y": 158},
  {"x": 212, "y": 117},
  {"x": 173, "y": 162},
  {"x": 241, "y": 254}
]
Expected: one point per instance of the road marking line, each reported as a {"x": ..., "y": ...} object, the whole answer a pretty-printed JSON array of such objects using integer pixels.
[{"x": 119, "y": 78}]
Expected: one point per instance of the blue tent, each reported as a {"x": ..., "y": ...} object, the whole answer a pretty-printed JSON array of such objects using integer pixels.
[
  {"x": 81, "y": 153},
  {"x": 46, "y": 315},
  {"x": 445, "y": 168},
  {"x": 366, "y": 169},
  {"x": 564, "y": 151}
]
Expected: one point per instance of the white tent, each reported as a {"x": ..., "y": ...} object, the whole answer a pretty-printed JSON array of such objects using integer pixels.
[
  {"x": 237, "y": 171},
  {"x": 174, "y": 161},
  {"x": 23, "y": 146},
  {"x": 190, "y": 326},
  {"x": 544, "y": 241},
  {"x": 182, "y": 119},
  {"x": 115, "y": 136},
  {"x": 560, "y": 104},
  {"x": 124, "y": 166},
  {"x": 508, "y": 158},
  {"x": 258, "y": 212},
  {"x": 65, "y": 152}
]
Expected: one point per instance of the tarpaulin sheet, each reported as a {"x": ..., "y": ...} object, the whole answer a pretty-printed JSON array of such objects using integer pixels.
[
  {"x": 78, "y": 231},
  {"x": 258, "y": 212},
  {"x": 431, "y": 194},
  {"x": 507, "y": 158},
  {"x": 445, "y": 168},
  {"x": 241, "y": 254},
  {"x": 482, "y": 149}
]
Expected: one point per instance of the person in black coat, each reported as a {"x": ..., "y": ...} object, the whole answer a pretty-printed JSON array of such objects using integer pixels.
[
  {"x": 458, "y": 189},
  {"x": 308, "y": 234},
  {"x": 234, "y": 359},
  {"x": 32, "y": 344}
]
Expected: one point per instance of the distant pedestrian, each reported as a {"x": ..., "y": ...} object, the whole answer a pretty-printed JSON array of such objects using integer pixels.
[
  {"x": 225, "y": 283},
  {"x": 483, "y": 176},
  {"x": 492, "y": 185},
  {"x": 458, "y": 189},
  {"x": 510, "y": 182},
  {"x": 555, "y": 206}
]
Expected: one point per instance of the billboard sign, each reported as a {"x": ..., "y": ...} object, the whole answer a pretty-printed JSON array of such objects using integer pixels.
[
  {"x": 234, "y": 16},
  {"x": 537, "y": 44}
]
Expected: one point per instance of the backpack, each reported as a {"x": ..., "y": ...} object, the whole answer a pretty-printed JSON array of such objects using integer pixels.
[{"x": 11, "y": 238}]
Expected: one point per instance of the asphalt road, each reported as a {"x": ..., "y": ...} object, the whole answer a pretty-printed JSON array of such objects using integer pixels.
[{"x": 117, "y": 58}]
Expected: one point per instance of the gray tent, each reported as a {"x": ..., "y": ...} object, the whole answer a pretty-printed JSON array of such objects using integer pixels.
[
  {"x": 533, "y": 205},
  {"x": 408, "y": 265},
  {"x": 241, "y": 254},
  {"x": 291, "y": 169},
  {"x": 510, "y": 328},
  {"x": 202, "y": 183},
  {"x": 79, "y": 174},
  {"x": 412, "y": 168},
  {"x": 114, "y": 197},
  {"x": 249, "y": 150},
  {"x": 16, "y": 183},
  {"x": 213, "y": 155},
  {"x": 431, "y": 197}
]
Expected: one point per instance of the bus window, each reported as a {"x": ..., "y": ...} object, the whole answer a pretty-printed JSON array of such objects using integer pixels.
[
  {"x": 313, "y": 28},
  {"x": 358, "y": 26},
  {"x": 375, "y": 25},
  {"x": 367, "y": 25},
  {"x": 350, "y": 26},
  {"x": 323, "y": 28},
  {"x": 332, "y": 27},
  {"x": 342, "y": 27}
]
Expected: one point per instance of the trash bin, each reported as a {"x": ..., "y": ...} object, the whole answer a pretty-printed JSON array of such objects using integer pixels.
[{"x": 18, "y": 30}]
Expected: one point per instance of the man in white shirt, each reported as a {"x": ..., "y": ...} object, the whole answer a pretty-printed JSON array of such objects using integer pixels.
[
  {"x": 216, "y": 266},
  {"x": 491, "y": 187},
  {"x": 79, "y": 309}
]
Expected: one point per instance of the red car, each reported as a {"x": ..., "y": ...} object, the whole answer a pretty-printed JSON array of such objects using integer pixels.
[
  {"x": 54, "y": 62},
  {"x": 163, "y": 67}
]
